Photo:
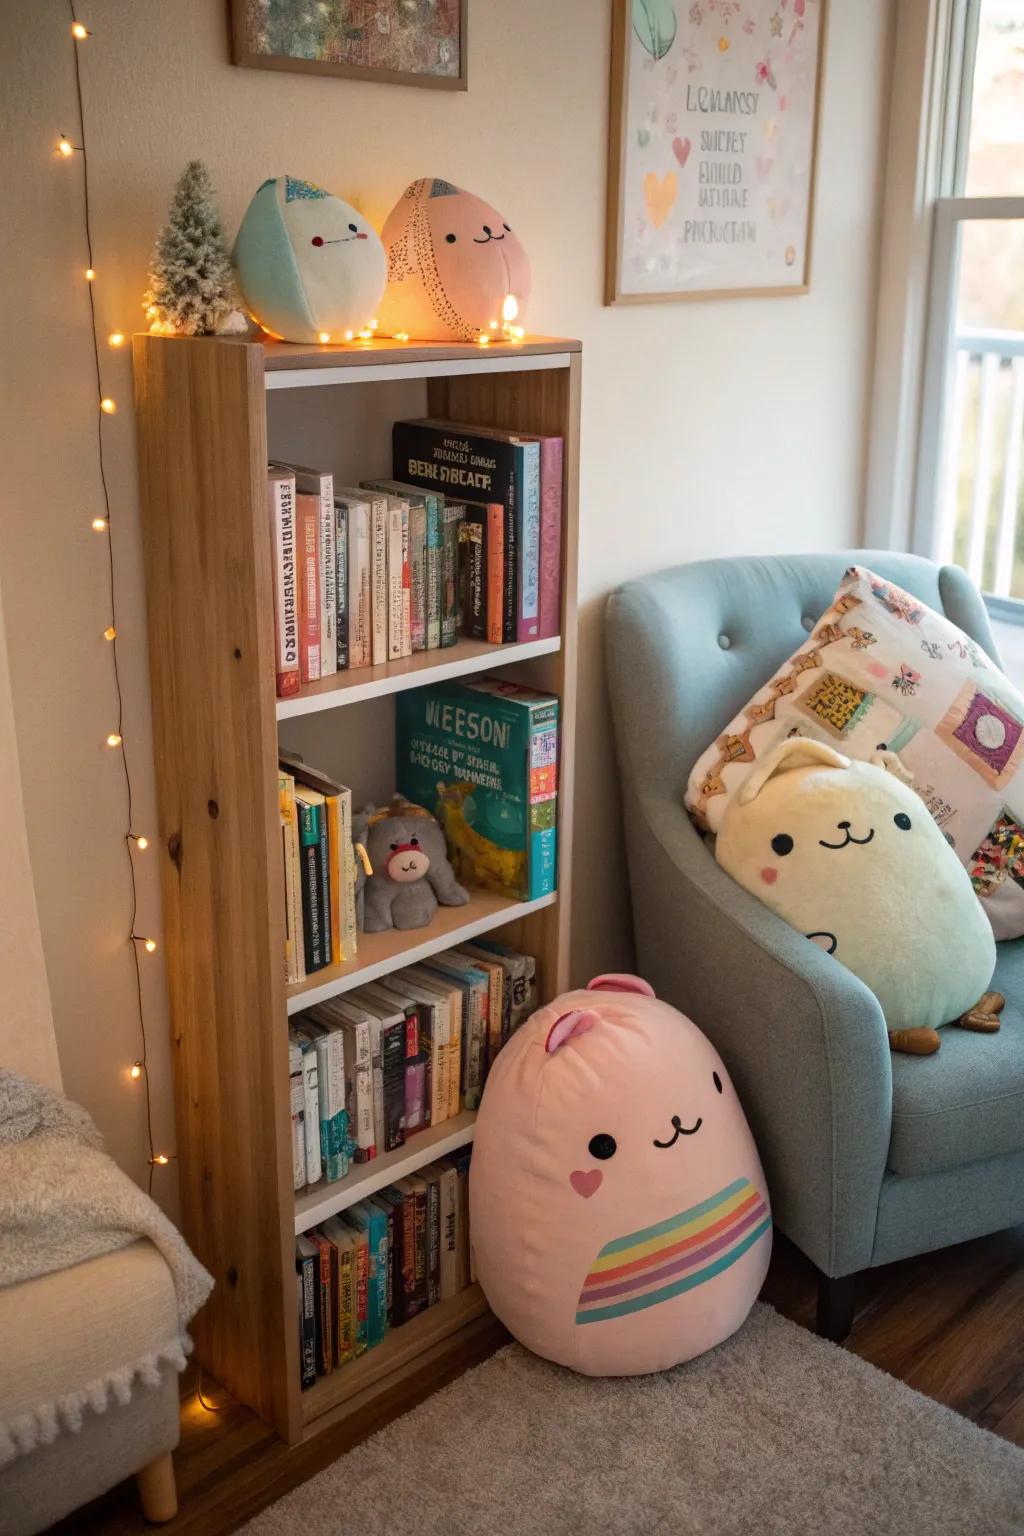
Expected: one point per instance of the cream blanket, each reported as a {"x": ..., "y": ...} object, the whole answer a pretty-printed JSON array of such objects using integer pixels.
[{"x": 62, "y": 1200}]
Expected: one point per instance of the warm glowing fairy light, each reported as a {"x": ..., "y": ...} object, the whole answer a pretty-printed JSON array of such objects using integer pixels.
[
  {"x": 65, "y": 147},
  {"x": 90, "y": 274},
  {"x": 324, "y": 337},
  {"x": 78, "y": 32},
  {"x": 114, "y": 739},
  {"x": 401, "y": 335},
  {"x": 349, "y": 335},
  {"x": 135, "y": 1070},
  {"x": 510, "y": 307},
  {"x": 149, "y": 945},
  {"x": 110, "y": 633},
  {"x": 141, "y": 843},
  {"x": 161, "y": 1159},
  {"x": 107, "y": 406},
  {"x": 483, "y": 339},
  {"x": 99, "y": 525},
  {"x": 116, "y": 339}
]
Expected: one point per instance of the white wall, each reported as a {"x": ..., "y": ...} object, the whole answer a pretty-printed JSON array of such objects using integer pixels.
[{"x": 709, "y": 428}]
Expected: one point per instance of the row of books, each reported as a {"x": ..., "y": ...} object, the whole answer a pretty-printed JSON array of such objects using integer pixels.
[
  {"x": 370, "y": 1069},
  {"x": 319, "y": 868},
  {"x": 381, "y": 1263},
  {"x": 373, "y": 573}
]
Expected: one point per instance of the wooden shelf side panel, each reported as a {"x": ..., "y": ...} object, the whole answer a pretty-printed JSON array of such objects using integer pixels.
[
  {"x": 202, "y": 466},
  {"x": 546, "y": 403}
]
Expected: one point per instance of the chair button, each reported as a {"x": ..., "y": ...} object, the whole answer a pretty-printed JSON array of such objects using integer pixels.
[
  {"x": 807, "y": 622},
  {"x": 724, "y": 642}
]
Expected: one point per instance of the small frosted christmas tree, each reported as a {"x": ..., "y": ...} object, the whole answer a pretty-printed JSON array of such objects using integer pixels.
[{"x": 191, "y": 285}]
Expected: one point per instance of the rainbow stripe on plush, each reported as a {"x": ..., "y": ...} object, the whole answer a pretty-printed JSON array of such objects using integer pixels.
[{"x": 676, "y": 1255}]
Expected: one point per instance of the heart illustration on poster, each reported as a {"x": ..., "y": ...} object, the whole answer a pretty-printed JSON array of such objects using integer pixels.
[
  {"x": 659, "y": 196},
  {"x": 681, "y": 149}
]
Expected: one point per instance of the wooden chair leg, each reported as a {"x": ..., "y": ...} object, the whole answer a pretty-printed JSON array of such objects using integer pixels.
[
  {"x": 157, "y": 1492},
  {"x": 836, "y": 1306}
]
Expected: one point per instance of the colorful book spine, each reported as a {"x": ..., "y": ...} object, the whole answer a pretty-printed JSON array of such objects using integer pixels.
[
  {"x": 326, "y": 1294},
  {"x": 311, "y": 1111},
  {"x": 406, "y": 583},
  {"x": 345, "y": 1315},
  {"x": 297, "y": 1102},
  {"x": 435, "y": 567},
  {"x": 330, "y": 1063},
  {"x": 381, "y": 555},
  {"x": 415, "y": 1095},
  {"x": 543, "y": 770},
  {"x": 495, "y": 573},
  {"x": 395, "y": 570},
  {"x": 359, "y": 579},
  {"x": 528, "y": 485},
  {"x": 432, "y": 1179},
  {"x": 361, "y": 1255},
  {"x": 551, "y": 470},
  {"x": 451, "y": 522},
  {"x": 359, "y": 1075},
  {"x": 369, "y": 1218},
  {"x": 281, "y": 507},
  {"x": 449, "y": 1200},
  {"x": 341, "y": 558},
  {"x": 418, "y": 574},
  {"x": 327, "y": 559},
  {"x": 308, "y": 522},
  {"x": 335, "y": 860},
  {"x": 316, "y": 937},
  {"x": 473, "y": 573},
  {"x": 294, "y": 950}
]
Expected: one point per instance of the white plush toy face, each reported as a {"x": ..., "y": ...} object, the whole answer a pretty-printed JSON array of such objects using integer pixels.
[
  {"x": 308, "y": 265},
  {"x": 849, "y": 855}
]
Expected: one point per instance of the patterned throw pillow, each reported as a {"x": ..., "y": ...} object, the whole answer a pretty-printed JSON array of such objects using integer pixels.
[{"x": 883, "y": 670}]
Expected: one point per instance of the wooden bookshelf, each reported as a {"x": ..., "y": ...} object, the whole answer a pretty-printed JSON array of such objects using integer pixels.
[{"x": 208, "y": 411}]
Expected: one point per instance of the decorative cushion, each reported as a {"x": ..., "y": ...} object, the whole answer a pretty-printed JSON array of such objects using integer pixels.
[
  {"x": 307, "y": 264},
  {"x": 453, "y": 261},
  {"x": 619, "y": 1213},
  {"x": 882, "y": 670},
  {"x": 847, "y": 853}
]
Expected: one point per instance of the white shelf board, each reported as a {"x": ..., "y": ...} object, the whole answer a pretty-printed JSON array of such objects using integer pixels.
[
  {"x": 381, "y": 953},
  {"x": 364, "y": 1179},
  {"x": 352, "y": 687},
  {"x": 428, "y": 368}
]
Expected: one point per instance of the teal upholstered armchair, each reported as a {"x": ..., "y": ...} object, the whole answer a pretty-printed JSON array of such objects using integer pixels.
[{"x": 869, "y": 1157}]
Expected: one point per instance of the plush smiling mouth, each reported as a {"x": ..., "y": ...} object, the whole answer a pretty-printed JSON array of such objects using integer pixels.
[
  {"x": 486, "y": 239},
  {"x": 848, "y": 837},
  {"x": 407, "y": 868},
  {"x": 679, "y": 1129},
  {"x": 341, "y": 240}
]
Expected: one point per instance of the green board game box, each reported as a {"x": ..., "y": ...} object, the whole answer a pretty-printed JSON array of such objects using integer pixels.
[{"x": 483, "y": 757}]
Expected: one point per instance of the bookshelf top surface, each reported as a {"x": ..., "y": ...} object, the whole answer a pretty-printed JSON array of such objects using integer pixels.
[{"x": 288, "y": 354}]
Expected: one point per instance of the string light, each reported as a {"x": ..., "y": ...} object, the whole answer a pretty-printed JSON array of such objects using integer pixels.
[
  {"x": 149, "y": 945},
  {"x": 483, "y": 339},
  {"x": 108, "y": 406},
  {"x": 65, "y": 147},
  {"x": 115, "y": 339},
  {"x": 161, "y": 1159},
  {"x": 89, "y": 275},
  {"x": 78, "y": 32},
  {"x": 349, "y": 335},
  {"x": 114, "y": 739},
  {"x": 100, "y": 524},
  {"x": 142, "y": 843},
  {"x": 401, "y": 335},
  {"x": 324, "y": 337},
  {"x": 110, "y": 633},
  {"x": 135, "y": 1070}
]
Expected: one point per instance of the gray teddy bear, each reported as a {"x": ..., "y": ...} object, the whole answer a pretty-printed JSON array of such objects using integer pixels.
[{"x": 411, "y": 872}]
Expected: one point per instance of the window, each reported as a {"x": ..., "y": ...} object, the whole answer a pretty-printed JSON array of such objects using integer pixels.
[{"x": 969, "y": 504}]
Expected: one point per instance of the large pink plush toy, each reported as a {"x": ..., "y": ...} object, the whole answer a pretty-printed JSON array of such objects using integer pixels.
[
  {"x": 454, "y": 266},
  {"x": 618, "y": 1211}
]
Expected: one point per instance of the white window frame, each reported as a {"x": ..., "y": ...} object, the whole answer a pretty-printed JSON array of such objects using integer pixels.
[{"x": 915, "y": 375}]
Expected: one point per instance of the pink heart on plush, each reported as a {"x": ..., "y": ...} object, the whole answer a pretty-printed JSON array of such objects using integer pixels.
[
  {"x": 586, "y": 1182},
  {"x": 681, "y": 149}
]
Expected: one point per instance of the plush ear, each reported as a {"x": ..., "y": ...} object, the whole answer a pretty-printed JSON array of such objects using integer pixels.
[
  {"x": 620, "y": 981},
  {"x": 569, "y": 1024},
  {"x": 794, "y": 752},
  {"x": 893, "y": 764}
]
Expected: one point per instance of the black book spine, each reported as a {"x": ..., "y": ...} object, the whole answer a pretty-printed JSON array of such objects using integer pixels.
[
  {"x": 341, "y": 522},
  {"x": 392, "y": 1062},
  {"x": 306, "y": 1266},
  {"x": 473, "y": 573},
  {"x": 456, "y": 462}
]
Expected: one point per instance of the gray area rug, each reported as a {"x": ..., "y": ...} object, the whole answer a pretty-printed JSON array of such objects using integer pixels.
[{"x": 775, "y": 1431}]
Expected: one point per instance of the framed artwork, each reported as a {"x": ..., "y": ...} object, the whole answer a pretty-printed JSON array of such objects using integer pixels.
[
  {"x": 712, "y": 145},
  {"x": 399, "y": 42}
]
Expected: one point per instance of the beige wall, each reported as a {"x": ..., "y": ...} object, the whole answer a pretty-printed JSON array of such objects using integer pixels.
[{"x": 709, "y": 428}]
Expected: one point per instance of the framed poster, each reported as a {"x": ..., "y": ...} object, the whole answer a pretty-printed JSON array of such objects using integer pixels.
[
  {"x": 399, "y": 42},
  {"x": 712, "y": 142}
]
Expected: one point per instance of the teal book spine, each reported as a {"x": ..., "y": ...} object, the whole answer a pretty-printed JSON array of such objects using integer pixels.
[
  {"x": 375, "y": 1224},
  {"x": 543, "y": 854},
  {"x": 313, "y": 931}
]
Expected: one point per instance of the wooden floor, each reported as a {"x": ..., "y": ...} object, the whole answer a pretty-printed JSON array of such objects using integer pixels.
[{"x": 948, "y": 1324}]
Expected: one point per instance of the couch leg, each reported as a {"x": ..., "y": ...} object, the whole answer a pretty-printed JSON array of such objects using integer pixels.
[
  {"x": 157, "y": 1493},
  {"x": 836, "y": 1306}
]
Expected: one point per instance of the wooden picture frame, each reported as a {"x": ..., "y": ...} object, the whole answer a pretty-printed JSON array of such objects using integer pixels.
[
  {"x": 244, "y": 54},
  {"x": 728, "y": 21}
]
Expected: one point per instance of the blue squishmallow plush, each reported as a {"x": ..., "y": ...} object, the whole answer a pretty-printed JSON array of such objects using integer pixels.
[{"x": 308, "y": 265}]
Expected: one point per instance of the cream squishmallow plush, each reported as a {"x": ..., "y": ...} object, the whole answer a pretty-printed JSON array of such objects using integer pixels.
[
  {"x": 848, "y": 853},
  {"x": 309, "y": 267},
  {"x": 618, "y": 1211},
  {"x": 454, "y": 265}
]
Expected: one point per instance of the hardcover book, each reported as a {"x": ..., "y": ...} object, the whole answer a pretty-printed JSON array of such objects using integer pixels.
[
  {"x": 316, "y": 483},
  {"x": 307, "y": 1265},
  {"x": 357, "y": 512},
  {"x": 281, "y": 508},
  {"x": 483, "y": 757},
  {"x": 307, "y": 517}
]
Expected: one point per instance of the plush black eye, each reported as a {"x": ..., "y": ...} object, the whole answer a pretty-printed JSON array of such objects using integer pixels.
[
  {"x": 718, "y": 1081},
  {"x": 450, "y": 239},
  {"x": 507, "y": 229},
  {"x": 394, "y": 847},
  {"x": 414, "y": 841},
  {"x": 883, "y": 746},
  {"x": 601, "y": 1146},
  {"x": 902, "y": 820},
  {"x": 317, "y": 240},
  {"x": 353, "y": 228},
  {"x": 782, "y": 844}
]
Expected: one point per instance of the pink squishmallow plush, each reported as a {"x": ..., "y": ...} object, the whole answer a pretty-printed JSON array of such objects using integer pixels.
[
  {"x": 453, "y": 263},
  {"x": 618, "y": 1211}
]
